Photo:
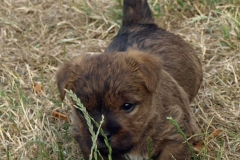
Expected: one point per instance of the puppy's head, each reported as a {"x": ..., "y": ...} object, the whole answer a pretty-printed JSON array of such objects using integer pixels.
[{"x": 118, "y": 86}]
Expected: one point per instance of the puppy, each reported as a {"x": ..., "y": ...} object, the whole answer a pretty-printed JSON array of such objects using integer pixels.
[{"x": 145, "y": 75}]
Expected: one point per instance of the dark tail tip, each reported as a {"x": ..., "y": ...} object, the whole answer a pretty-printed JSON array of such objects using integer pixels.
[{"x": 136, "y": 11}]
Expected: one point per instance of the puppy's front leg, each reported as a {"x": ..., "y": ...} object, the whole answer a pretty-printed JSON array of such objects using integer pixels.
[{"x": 175, "y": 150}]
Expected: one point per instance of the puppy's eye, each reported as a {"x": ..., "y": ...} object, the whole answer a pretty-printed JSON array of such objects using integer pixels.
[{"x": 128, "y": 107}]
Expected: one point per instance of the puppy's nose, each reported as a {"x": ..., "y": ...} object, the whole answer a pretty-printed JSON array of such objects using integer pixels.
[{"x": 101, "y": 137}]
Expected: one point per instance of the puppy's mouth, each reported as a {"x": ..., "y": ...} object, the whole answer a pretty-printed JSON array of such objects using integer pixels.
[
  {"x": 115, "y": 151},
  {"x": 118, "y": 148}
]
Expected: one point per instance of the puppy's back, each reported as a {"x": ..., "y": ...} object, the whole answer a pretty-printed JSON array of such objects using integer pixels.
[{"x": 139, "y": 31}]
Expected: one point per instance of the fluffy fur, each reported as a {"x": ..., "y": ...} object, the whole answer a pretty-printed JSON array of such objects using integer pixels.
[{"x": 147, "y": 69}]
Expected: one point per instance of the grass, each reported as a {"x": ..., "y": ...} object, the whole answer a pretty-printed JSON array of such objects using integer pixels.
[
  {"x": 175, "y": 124},
  {"x": 94, "y": 135},
  {"x": 36, "y": 37}
]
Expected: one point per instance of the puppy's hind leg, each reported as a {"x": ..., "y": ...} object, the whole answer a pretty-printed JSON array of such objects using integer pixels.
[{"x": 136, "y": 11}]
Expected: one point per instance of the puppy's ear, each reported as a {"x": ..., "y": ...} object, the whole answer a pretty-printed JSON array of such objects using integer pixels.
[
  {"x": 67, "y": 74},
  {"x": 150, "y": 66}
]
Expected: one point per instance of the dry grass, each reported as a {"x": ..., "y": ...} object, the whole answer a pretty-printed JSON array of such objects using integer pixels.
[{"x": 38, "y": 36}]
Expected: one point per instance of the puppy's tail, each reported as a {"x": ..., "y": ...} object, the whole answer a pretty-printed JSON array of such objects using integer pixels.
[{"x": 136, "y": 11}]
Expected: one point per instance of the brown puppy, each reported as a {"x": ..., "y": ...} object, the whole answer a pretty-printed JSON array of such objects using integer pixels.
[{"x": 145, "y": 75}]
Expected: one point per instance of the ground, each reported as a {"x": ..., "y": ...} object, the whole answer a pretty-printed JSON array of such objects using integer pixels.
[{"x": 36, "y": 37}]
